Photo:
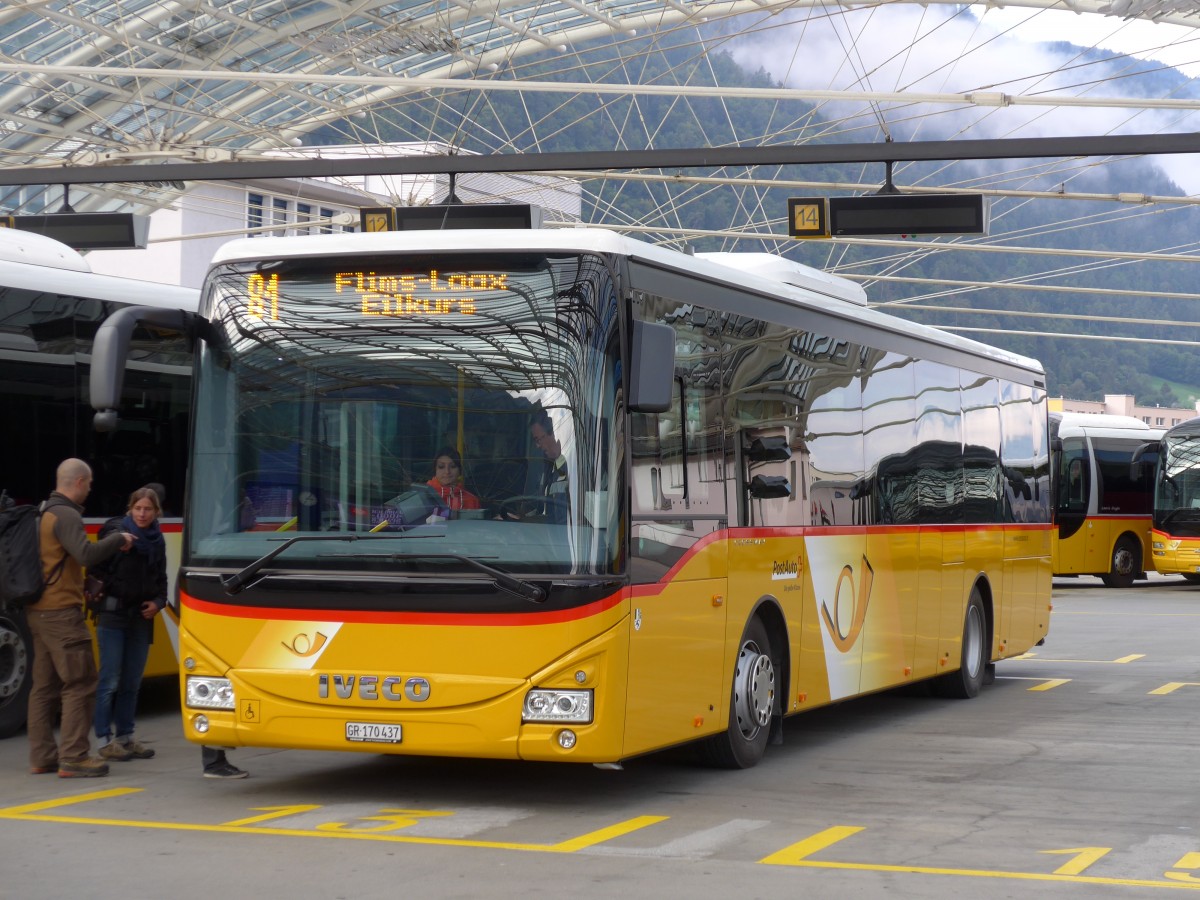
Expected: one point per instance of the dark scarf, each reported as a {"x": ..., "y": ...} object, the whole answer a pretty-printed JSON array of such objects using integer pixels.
[{"x": 147, "y": 541}]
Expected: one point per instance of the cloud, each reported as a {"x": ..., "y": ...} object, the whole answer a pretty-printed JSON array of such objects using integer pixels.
[{"x": 914, "y": 50}]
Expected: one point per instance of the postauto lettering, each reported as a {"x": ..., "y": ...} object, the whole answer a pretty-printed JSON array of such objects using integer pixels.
[{"x": 374, "y": 687}]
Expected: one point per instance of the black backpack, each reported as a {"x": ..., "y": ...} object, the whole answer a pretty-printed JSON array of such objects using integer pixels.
[{"x": 21, "y": 579}]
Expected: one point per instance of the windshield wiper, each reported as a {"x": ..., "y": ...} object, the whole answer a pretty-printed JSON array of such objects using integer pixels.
[
  {"x": 236, "y": 582},
  {"x": 499, "y": 577}
]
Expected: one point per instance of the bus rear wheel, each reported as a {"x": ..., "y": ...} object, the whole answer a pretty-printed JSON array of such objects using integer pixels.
[
  {"x": 16, "y": 671},
  {"x": 973, "y": 662},
  {"x": 751, "y": 704},
  {"x": 1126, "y": 564}
]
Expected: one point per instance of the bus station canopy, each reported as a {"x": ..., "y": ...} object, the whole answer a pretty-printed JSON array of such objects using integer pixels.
[{"x": 88, "y": 82}]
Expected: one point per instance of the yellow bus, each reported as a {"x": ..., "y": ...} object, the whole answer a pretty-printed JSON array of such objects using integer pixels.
[
  {"x": 51, "y": 305},
  {"x": 764, "y": 497},
  {"x": 1176, "y": 513},
  {"x": 1102, "y": 496}
]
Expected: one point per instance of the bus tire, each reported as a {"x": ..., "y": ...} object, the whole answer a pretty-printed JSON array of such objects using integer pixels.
[
  {"x": 1191, "y": 577},
  {"x": 16, "y": 671},
  {"x": 973, "y": 663},
  {"x": 751, "y": 704},
  {"x": 1125, "y": 565}
]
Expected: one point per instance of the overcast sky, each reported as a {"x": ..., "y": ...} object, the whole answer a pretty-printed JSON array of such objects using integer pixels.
[{"x": 938, "y": 49}]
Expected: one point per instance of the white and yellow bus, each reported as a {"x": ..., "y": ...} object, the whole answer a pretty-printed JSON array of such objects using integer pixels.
[
  {"x": 1102, "y": 496},
  {"x": 775, "y": 499},
  {"x": 51, "y": 305},
  {"x": 1176, "y": 513}
]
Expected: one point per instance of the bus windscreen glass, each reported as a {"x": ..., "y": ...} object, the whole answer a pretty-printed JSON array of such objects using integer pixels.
[{"x": 328, "y": 389}]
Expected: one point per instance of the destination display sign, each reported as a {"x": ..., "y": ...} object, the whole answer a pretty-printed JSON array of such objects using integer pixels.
[{"x": 423, "y": 293}]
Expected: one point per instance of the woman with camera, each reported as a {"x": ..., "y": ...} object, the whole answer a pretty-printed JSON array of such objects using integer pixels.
[{"x": 134, "y": 592}]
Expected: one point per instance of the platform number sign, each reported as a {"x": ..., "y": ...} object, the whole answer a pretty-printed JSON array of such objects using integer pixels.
[
  {"x": 377, "y": 219},
  {"x": 808, "y": 217}
]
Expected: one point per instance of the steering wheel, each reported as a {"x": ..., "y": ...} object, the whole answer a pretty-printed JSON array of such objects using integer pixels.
[{"x": 514, "y": 507}]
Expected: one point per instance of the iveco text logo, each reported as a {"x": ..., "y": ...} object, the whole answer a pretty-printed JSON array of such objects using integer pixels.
[{"x": 372, "y": 687}]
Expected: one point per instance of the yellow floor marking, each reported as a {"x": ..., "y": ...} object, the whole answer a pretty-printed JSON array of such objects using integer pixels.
[
  {"x": 14, "y": 812},
  {"x": 275, "y": 812},
  {"x": 992, "y": 873},
  {"x": 1173, "y": 686},
  {"x": 392, "y": 819},
  {"x": 796, "y": 853},
  {"x": 34, "y": 812},
  {"x": 1187, "y": 861},
  {"x": 606, "y": 834},
  {"x": 1107, "y": 662},
  {"x": 1050, "y": 684},
  {"x": 1084, "y": 857}
]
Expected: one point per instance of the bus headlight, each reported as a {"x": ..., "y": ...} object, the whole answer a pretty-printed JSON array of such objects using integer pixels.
[
  {"x": 209, "y": 693},
  {"x": 558, "y": 706}
]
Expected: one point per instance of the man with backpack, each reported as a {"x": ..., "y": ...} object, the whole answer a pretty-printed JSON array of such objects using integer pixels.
[{"x": 64, "y": 668}]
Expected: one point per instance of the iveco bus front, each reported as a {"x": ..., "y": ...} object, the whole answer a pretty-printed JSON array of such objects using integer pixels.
[{"x": 1176, "y": 534}]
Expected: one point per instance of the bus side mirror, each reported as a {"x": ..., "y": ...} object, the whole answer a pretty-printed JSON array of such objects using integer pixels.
[
  {"x": 111, "y": 348},
  {"x": 769, "y": 487},
  {"x": 652, "y": 367},
  {"x": 1145, "y": 455},
  {"x": 770, "y": 448}
]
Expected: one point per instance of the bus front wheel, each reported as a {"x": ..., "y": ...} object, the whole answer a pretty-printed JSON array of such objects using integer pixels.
[
  {"x": 1126, "y": 564},
  {"x": 973, "y": 668},
  {"x": 751, "y": 704},
  {"x": 16, "y": 671}
]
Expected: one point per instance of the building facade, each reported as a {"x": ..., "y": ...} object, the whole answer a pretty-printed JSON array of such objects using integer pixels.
[
  {"x": 1126, "y": 405},
  {"x": 184, "y": 237}
]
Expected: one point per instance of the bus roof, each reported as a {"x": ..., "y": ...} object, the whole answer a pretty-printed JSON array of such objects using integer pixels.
[
  {"x": 1187, "y": 427},
  {"x": 38, "y": 263},
  {"x": 39, "y": 250},
  {"x": 804, "y": 286},
  {"x": 1072, "y": 423}
]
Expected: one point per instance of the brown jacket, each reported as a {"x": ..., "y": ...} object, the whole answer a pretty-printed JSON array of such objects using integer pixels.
[{"x": 62, "y": 531}]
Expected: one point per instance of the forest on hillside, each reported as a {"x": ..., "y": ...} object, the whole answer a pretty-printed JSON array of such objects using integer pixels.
[{"x": 1084, "y": 366}]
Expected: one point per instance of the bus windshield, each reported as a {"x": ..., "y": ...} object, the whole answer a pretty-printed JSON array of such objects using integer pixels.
[
  {"x": 1177, "y": 490},
  {"x": 467, "y": 400}
]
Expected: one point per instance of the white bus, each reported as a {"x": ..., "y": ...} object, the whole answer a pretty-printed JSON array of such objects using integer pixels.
[
  {"x": 1102, "y": 496},
  {"x": 51, "y": 305}
]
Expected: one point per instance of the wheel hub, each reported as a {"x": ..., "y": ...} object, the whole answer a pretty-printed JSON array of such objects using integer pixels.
[
  {"x": 1122, "y": 562},
  {"x": 14, "y": 660},
  {"x": 754, "y": 690}
]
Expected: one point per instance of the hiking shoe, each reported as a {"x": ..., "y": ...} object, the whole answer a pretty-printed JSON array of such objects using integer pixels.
[
  {"x": 137, "y": 750},
  {"x": 84, "y": 768},
  {"x": 43, "y": 770},
  {"x": 115, "y": 752},
  {"x": 225, "y": 770}
]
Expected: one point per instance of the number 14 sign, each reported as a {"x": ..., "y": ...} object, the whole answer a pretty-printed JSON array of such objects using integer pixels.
[{"x": 808, "y": 217}]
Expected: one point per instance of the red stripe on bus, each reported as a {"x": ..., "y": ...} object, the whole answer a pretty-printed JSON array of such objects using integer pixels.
[{"x": 371, "y": 617}]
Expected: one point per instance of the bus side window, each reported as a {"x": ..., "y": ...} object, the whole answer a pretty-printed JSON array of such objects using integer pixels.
[{"x": 1075, "y": 483}]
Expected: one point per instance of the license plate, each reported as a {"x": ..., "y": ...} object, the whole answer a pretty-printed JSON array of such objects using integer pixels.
[{"x": 372, "y": 733}]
